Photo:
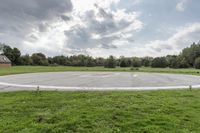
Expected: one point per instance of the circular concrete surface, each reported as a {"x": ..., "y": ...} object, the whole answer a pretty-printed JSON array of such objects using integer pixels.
[{"x": 97, "y": 81}]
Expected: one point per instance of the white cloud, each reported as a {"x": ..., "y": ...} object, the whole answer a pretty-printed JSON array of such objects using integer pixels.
[
  {"x": 173, "y": 45},
  {"x": 102, "y": 28},
  {"x": 82, "y": 6},
  {"x": 181, "y": 5},
  {"x": 67, "y": 27},
  {"x": 95, "y": 27}
]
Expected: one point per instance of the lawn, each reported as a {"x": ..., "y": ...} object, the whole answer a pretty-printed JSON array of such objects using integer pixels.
[
  {"x": 174, "y": 111},
  {"x": 33, "y": 69}
]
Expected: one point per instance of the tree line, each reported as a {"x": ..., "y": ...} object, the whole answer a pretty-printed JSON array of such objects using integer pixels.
[{"x": 189, "y": 57}]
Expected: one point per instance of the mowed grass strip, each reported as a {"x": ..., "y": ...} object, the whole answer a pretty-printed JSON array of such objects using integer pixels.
[
  {"x": 35, "y": 69},
  {"x": 171, "y": 111}
]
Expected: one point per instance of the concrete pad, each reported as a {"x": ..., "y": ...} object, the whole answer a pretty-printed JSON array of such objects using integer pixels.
[{"x": 73, "y": 81}]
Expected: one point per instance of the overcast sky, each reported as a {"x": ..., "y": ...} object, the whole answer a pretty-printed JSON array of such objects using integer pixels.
[{"x": 100, "y": 27}]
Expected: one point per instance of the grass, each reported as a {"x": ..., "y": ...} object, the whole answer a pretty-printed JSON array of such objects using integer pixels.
[
  {"x": 171, "y": 111},
  {"x": 174, "y": 111},
  {"x": 33, "y": 69}
]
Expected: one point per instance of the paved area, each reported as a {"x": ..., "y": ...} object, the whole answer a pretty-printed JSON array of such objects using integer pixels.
[{"x": 97, "y": 81}]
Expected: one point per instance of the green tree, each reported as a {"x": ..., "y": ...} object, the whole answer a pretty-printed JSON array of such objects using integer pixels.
[
  {"x": 39, "y": 59},
  {"x": 89, "y": 62},
  {"x": 12, "y": 53},
  {"x": 16, "y": 56},
  {"x": 159, "y": 62},
  {"x": 136, "y": 62},
  {"x": 191, "y": 53},
  {"x": 26, "y": 60},
  {"x": 172, "y": 61},
  {"x": 197, "y": 63},
  {"x": 123, "y": 62},
  {"x": 60, "y": 60},
  {"x": 99, "y": 61},
  {"x": 146, "y": 61},
  {"x": 8, "y": 52},
  {"x": 110, "y": 62},
  {"x": 182, "y": 62}
]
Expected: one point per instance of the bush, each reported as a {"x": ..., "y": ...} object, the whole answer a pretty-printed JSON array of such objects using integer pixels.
[
  {"x": 197, "y": 63},
  {"x": 134, "y": 69}
]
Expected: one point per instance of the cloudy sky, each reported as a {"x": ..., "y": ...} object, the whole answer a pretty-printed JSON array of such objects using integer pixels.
[{"x": 100, "y": 27}]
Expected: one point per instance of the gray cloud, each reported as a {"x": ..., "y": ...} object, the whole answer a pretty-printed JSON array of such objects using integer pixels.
[
  {"x": 38, "y": 25},
  {"x": 65, "y": 18},
  {"x": 100, "y": 30},
  {"x": 20, "y": 17}
]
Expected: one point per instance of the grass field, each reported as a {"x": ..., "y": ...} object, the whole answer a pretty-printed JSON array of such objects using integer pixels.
[
  {"x": 171, "y": 111},
  {"x": 33, "y": 69}
]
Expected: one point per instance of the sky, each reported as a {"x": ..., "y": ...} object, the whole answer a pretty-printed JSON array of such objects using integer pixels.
[{"x": 100, "y": 28}]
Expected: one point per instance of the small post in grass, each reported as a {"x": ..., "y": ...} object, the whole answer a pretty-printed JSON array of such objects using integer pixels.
[
  {"x": 38, "y": 89},
  {"x": 190, "y": 87}
]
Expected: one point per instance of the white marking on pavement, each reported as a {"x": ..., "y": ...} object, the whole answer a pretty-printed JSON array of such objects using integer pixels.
[
  {"x": 64, "y": 88},
  {"x": 102, "y": 75},
  {"x": 135, "y": 75}
]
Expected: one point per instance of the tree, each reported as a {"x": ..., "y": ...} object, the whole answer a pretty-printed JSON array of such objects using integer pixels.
[
  {"x": 26, "y": 60},
  {"x": 39, "y": 59},
  {"x": 197, "y": 63},
  {"x": 159, "y": 62},
  {"x": 136, "y": 62},
  {"x": 89, "y": 62},
  {"x": 110, "y": 62},
  {"x": 60, "y": 60},
  {"x": 191, "y": 53},
  {"x": 172, "y": 61},
  {"x": 50, "y": 60},
  {"x": 16, "y": 56},
  {"x": 12, "y": 54},
  {"x": 1, "y": 48},
  {"x": 182, "y": 62},
  {"x": 8, "y": 52},
  {"x": 146, "y": 61},
  {"x": 123, "y": 62},
  {"x": 99, "y": 61}
]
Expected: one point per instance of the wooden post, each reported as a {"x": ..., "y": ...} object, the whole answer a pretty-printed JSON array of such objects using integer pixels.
[
  {"x": 38, "y": 89},
  {"x": 190, "y": 87}
]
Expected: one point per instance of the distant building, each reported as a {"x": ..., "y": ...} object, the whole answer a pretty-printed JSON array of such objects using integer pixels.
[{"x": 4, "y": 61}]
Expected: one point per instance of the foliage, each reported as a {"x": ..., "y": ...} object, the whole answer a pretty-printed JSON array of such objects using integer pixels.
[
  {"x": 26, "y": 60},
  {"x": 123, "y": 62},
  {"x": 39, "y": 59},
  {"x": 185, "y": 59},
  {"x": 146, "y": 61},
  {"x": 159, "y": 62},
  {"x": 12, "y": 53},
  {"x": 197, "y": 63},
  {"x": 110, "y": 62},
  {"x": 136, "y": 62},
  {"x": 182, "y": 62},
  {"x": 191, "y": 53}
]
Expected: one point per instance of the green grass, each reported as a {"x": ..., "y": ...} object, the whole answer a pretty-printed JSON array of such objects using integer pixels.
[
  {"x": 170, "y": 111},
  {"x": 33, "y": 69}
]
